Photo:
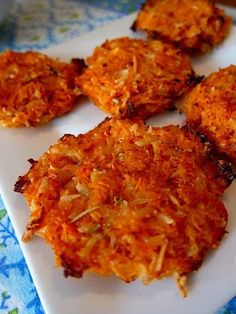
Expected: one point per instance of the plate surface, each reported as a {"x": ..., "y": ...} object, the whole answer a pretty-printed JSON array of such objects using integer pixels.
[{"x": 209, "y": 288}]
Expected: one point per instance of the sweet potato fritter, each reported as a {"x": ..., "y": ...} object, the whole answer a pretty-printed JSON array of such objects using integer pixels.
[
  {"x": 35, "y": 88},
  {"x": 194, "y": 25},
  {"x": 211, "y": 109},
  {"x": 133, "y": 77},
  {"x": 125, "y": 198}
]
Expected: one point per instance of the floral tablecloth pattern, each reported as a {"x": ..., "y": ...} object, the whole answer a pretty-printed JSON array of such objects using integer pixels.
[{"x": 37, "y": 24}]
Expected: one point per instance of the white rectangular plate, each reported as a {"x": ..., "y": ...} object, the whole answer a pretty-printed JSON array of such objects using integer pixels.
[{"x": 209, "y": 288}]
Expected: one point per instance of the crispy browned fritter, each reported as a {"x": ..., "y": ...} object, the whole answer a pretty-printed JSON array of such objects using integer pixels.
[
  {"x": 133, "y": 77},
  {"x": 35, "y": 88},
  {"x": 129, "y": 199},
  {"x": 194, "y": 25},
  {"x": 211, "y": 109}
]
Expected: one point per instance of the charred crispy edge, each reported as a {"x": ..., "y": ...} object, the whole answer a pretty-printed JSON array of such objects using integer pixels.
[
  {"x": 31, "y": 227},
  {"x": 21, "y": 184},
  {"x": 32, "y": 161},
  {"x": 64, "y": 137},
  {"x": 222, "y": 161},
  {"x": 80, "y": 62},
  {"x": 106, "y": 120},
  {"x": 130, "y": 110},
  {"x": 134, "y": 27},
  {"x": 158, "y": 36},
  {"x": 225, "y": 168},
  {"x": 171, "y": 108},
  {"x": 165, "y": 39},
  {"x": 22, "y": 181},
  {"x": 225, "y": 19},
  {"x": 194, "y": 79},
  {"x": 145, "y": 4},
  {"x": 70, "y": 270}
]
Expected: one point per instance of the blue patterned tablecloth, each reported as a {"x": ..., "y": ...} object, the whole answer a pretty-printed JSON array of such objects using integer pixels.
[{"x": 37, "y": 24}]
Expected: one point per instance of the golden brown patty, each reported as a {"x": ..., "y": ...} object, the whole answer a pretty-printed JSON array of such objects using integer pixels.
[
  {"x": 211, "y": 109},
  {"x": 125, "y": 198},
  {"x": 194, "y": 25},
  {"x": 132, "y": 77},
  {"x": 35, "y": 88}
]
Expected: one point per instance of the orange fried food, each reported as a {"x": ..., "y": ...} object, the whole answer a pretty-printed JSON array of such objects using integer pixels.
[
  {"x": 133, "y": 77},
  {"x": 35, "y": 88},
  {"x": 194, "y": 25},
  {"x": 211, "y": 109},
  {"x": 126, "y": 198}
]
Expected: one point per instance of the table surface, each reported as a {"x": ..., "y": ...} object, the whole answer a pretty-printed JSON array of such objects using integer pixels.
[{"x": 25, "y": 28}]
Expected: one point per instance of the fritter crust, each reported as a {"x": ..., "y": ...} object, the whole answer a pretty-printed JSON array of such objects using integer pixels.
[
  {"x": 193, "y": 25},
  {"x": 133, "y": 77},
  {"x": 211, "y": 109},
  {"x": 35, "y": 88},
  {"x": 129, "y": 199}
]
